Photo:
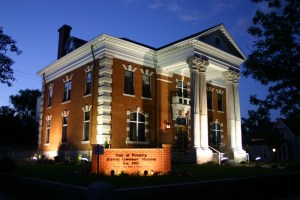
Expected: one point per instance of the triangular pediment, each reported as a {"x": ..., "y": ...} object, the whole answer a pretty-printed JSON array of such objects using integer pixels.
[
  {"x": 220, "y": 38},
  {"x": 216, "y": 36}
]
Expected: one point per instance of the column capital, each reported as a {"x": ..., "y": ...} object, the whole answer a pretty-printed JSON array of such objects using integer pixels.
[
  {"x": 198, "y": 63},
  {"x": 231, "y": 76}
]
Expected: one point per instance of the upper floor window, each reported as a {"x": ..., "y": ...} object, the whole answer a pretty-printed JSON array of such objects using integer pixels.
[
  {"x": 209, "y": 99},
  {"x": 182, "y": 92},
  {"x": 88, "y": 79},
  {"x": 137, "y": 127},
  {"x": 215, "y": 134},
  {"x": 50, "y": 96},
  {"x": 128, "y": 82},
  {"x": 86, "y": 126},
  {"x": 88, "y": 82},
  {"x": 220, "y": 102},
  {"x": 146, "y": 86},
  {"x": 67, "y": 88}
]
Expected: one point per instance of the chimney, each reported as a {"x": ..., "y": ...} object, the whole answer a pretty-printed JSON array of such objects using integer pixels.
[{"x": 64, "y": 34}]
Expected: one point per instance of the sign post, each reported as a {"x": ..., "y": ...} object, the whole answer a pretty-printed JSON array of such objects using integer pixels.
[{"x": 99, "y": 150}]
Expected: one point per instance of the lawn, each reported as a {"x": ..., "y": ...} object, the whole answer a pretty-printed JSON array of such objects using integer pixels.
[{"x": 80, "y": 175}]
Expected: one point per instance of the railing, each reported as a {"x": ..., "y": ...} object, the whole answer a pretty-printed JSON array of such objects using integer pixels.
[
  {"x": 219, "y": 154},
  {"x": 180, "y": 100}
]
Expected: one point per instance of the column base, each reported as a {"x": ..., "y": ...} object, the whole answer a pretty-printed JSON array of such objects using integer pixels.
[
  {"x": 203, "y": 155},
  {"x": 237, "y": 155}
]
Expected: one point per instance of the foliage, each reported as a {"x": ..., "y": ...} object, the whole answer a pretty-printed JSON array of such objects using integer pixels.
[
  {"x": 80, "y": 174},
  {"x": 25, "y": 103},
  {"x": 19, "y": 122},
  {"x": 7, "y": 44},
  {"x": 259, "y": 125},
  {"x": 275, "y": 58},
  {"x": 259, "y": 118}
]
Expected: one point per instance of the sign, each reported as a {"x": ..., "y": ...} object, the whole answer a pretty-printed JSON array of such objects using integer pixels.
[{"x": 99, "y": 149}]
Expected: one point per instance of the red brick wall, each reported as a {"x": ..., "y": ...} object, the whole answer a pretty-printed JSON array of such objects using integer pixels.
[
  {"x": 158, "y": 108},
  {"x": 74, "y": 106},
  {"x": 122, "y": 103},
  {"x": 133, "y": 161}
]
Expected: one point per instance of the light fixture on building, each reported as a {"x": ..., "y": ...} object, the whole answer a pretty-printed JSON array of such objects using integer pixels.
[{"x": 167, "y": 125}]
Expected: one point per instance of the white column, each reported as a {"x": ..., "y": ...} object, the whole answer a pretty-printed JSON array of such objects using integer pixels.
[
  {"x": 230, "y": 110},
  {"x": 195, "y": 116},
  {"x": 203, "y": 109},
  {"x": 237, "y": 112},
  {"x": 199, "y": 108}
]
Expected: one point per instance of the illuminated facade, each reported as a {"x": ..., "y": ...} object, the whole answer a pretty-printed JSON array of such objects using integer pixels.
[{"x": 123, "y": 94}]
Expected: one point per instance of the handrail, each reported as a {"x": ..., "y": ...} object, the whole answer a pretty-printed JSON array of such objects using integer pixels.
[
  {"x": 215, "y": 149},
  {"x": 220, "y": 154}
]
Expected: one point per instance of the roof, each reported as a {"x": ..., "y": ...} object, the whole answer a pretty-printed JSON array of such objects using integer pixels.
[{"x": 291, "y": 125}]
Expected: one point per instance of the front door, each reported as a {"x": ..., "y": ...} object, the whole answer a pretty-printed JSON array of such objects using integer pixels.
[{"x": 181, "y": 137}]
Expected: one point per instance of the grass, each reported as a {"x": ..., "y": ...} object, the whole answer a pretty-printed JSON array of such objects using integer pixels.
[{"x": 80, "y": 174}]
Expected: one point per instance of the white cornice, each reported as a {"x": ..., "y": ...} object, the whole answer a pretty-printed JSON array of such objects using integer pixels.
[
  {"x": 103, "y": 44},
  {"x": 164, "y": 60}
]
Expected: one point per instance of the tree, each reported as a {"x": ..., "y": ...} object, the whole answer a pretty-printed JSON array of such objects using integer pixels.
[
  {"x": 19, "y": 122},
  {"x": 258, "y": 129},
  {"x": 25, "y": 103},
  {"x": 7, "y": 44},
  {"x": 276, "y": 56},
  {"x": 257, "y": 121}
]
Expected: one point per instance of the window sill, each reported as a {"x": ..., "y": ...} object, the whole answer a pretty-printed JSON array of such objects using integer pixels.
[
  {"x": 147, "y": 98},
  {"x": 128, "y": 95},
  {"x": 87, "y": 95},
  {"x": 64, "y": 102},
  {"x": 136, "y": 142}
]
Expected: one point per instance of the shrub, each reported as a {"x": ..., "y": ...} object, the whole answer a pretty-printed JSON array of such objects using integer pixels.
[{"x": 210, "y": 163}]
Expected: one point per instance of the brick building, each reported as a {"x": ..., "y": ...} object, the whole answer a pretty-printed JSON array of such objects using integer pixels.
[{"x": 124, "y": 94}]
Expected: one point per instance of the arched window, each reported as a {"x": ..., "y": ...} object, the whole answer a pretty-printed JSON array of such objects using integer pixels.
[
  {"x": 137, "y": 127},
  {"x": 215, "y": 133}
]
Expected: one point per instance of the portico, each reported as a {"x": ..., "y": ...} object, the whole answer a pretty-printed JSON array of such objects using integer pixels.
[{"x": 199, "y": 117}]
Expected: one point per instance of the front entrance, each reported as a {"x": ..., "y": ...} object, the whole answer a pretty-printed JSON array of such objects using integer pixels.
[{"x": 181, "y": 138}]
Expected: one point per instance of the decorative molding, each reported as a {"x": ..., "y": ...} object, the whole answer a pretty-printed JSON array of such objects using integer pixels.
[
  {"x": 86, "y": 108},
  {"x": 65, "y": 113}
]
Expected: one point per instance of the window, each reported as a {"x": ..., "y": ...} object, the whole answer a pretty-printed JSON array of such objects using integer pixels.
[
  {"x": 146, "y": 86},
  {"x": 86, "y": 126},
  {"x": 64, "y": 129},
  {"x": 217, "y": 42},
  {"x": 220, "y": 102},
  {"x": 48, "y": 131},
  {"x": 88, "y": 83},
  {"x": 209, "y": 100},
  {"x": 50, "y": 96},
  {"x": 128, "y": 84},
  {"x": 181, "y": 121},
  {"x": 215, "y": 134},
  {"x": 137, "y": 127},
  {"x": 67, "y": 90},
  {"x": 182, "y": 92}
]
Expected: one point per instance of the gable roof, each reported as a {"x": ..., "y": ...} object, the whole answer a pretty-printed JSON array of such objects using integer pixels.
[
  {"x": 289, "y": 124},
  {"x": 216, "y": 31},
  {"x": 202, "y": 35}
]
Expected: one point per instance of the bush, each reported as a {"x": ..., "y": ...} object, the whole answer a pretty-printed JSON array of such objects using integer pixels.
[
  {"x": 210, "y": 163},
  {"x": 7, "y": 164}
]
